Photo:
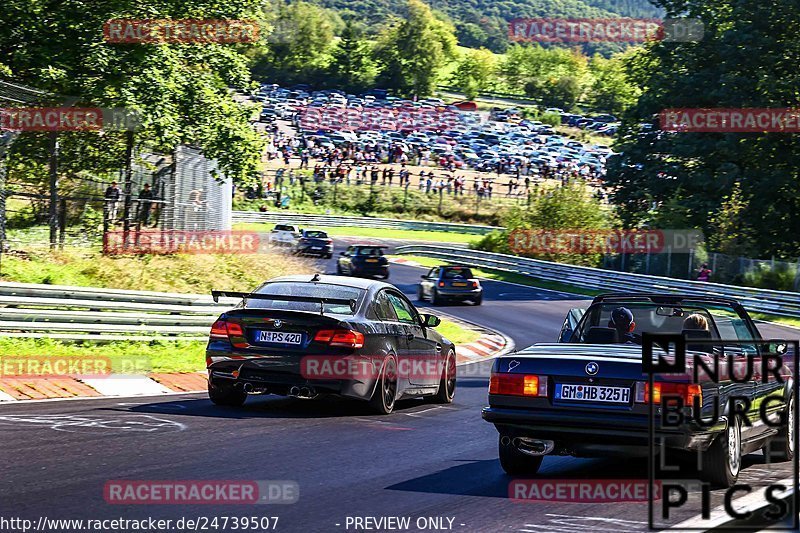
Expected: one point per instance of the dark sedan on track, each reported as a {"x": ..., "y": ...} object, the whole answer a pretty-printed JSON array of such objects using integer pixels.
[
  {"x": 363, "y": 260},
  {"x": 314, "y": 242},
  {"x": 589, "y": 394},
  {"x": 450, "y": 283},
  {"x": 305, "y": 337}
]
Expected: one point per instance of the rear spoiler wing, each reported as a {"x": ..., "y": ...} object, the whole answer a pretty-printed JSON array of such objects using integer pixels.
[{"x": 216, "y": 295}]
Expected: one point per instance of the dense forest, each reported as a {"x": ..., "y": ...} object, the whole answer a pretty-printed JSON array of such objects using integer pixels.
[{"x": 484, "y": 23}]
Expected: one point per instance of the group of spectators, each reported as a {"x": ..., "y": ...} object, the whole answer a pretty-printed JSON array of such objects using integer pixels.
[{"x": 375, "y": 164}]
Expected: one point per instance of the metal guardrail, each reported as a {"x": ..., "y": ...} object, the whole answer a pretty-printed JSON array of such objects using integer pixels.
[
  {"x": 758, "y": 300},
  {"x": 87, "y": 313},
  {"x": 305, "y": 220}
]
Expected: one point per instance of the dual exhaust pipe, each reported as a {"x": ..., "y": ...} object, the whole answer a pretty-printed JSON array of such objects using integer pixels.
[
  {"x": 304, "y": 393},
  {"x": 250, "y": 389},
  {"x": 528, "y": 446}
]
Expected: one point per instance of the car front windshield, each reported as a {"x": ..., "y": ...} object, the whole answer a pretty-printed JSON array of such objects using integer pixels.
[
  {"x": 306, "y": 290},
  {"x": 601, "y": 320}
]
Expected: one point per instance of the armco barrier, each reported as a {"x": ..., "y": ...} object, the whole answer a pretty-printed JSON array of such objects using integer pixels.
[
  {"x": 87, "y": 313},
  {"x": 758, "y": 300},
  {"x": 306, "y": 220}
]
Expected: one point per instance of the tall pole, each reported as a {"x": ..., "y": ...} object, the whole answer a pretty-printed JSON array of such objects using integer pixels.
[
  {"x": 53, "y": 190},
  {"x": 126, "y": 210},
  {"x": 2, "y": 206}
]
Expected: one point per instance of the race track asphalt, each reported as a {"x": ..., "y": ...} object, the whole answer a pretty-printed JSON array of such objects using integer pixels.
[{"x": 421, "y": 461}]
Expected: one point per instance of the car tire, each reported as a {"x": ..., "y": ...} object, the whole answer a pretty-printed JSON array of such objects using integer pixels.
[
  {"x": 385, "y": 394},
  {"x": 478, "y": 300},
  {"x": 514, "y": 462},
  {"x": 339, "y": 269},
  {"x": 435, "y": 298},
  {"x": 780, "y": 448},
  {"x": 226, "y": 395},
  {"x": 723, "y": 459},
  {"x": 328, "y": 256},
  {"x": 386, "y": 276},
  {"x": 447, "y": 383},
  {"x": 420, "y": 294}
]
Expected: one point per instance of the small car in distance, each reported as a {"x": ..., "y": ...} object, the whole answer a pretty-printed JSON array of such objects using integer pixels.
[
  {"x": 449, "y": 283},
  {"x": 284, "y": 235},
  {"x": 318, "y": 336},
  {"x": 314, "y": 242},
  {"x": 363, "y": 260}
]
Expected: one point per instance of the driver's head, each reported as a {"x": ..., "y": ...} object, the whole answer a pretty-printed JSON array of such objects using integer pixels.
[{"x": 622, "y": 320}]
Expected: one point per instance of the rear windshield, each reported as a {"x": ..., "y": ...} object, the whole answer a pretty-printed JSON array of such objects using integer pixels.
[
  {"x": 282, "y": 227},
  {"x": 368, "y": 251},
  {"x": 457, "y": 272},
  {"x": 316, "y": 235},
  {"x": 314, "y": 290}
]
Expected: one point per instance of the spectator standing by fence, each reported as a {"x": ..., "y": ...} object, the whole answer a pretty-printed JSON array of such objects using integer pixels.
[{"x": 112, "y": 196}]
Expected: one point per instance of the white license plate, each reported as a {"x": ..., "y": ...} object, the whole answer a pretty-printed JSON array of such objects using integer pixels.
[
  {"x": 279, "y": 337},
  {"x": 316, "y": 247},
  {"x": 592, "y": 393}
]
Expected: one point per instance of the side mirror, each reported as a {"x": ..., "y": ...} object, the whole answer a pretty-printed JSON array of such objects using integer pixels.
[
  {"x": 341, "y": 253},
  {"x": 423, "y": 276},
  {"x": 429, "y": 321}
]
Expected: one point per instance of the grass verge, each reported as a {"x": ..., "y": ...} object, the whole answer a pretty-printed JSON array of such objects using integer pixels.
[
  {"x": 195, "y": 273},
  {"x": 456, "y": 333},
  {"x": 155, "y": 356},
  {"x": 377, "y": 233}
]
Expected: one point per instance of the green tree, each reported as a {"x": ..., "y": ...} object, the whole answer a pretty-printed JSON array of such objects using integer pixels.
[
  {"x": 299, "y": 44},
  {"x": 352, "y": 66},
  {"x": 475, "y": 72},
  {"x": 181, "y": 91},
  {"x": 571, "y": 208},
  {"x": 747, "y": 59},
  {"x": 611, "y": 90},
  {"x": 562, "y": 92},
  {"x": 412, "y": 51},
  {"x": 732, "y": 234}
]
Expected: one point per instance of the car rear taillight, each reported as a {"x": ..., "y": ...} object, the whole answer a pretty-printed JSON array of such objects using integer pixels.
[
  {"x": 518, "y": 385},
  {"x": 441, "y": 283},
  {"x": 475, "y": 285},
  {"x": 686, "y": 391},
  {"x": 346, "y": 338},
  {"x": 222, "y": 329},
  {"x": 329, "y": 241}
]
